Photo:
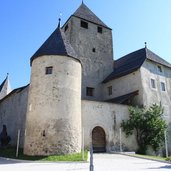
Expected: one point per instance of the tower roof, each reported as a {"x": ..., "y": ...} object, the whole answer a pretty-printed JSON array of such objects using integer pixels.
[
  {"x": 3, "y": 83},
  {"x": 133, "y": 61},
  {"x": 56, "y": 44},
  {"x": 85, "y": 13}
]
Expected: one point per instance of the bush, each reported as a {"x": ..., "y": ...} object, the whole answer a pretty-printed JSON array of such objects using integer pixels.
[{"x": 168, "y": 159}]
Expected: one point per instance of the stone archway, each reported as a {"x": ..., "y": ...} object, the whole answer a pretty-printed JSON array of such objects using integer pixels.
[{"x": 99, "y": 139}]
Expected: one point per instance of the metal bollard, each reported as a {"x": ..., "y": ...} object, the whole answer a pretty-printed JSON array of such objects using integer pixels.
[{"x": 91, "y": 159}]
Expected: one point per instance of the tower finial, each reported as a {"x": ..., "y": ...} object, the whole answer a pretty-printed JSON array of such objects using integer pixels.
[
  {"x": 59, "y": 23},
  {"x": 82, "y": 1},
  {"x": 145, "y": 44}
]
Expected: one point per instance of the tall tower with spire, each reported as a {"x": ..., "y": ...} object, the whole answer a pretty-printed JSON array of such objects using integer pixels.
[
  {"x": 53, "y": 119},
  {"x": 92, "y": 40},
  {"x": 5, "y": 87}
]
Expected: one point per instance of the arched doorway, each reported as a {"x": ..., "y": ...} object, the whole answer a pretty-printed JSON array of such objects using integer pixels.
[{"x": 99, "y": 139}]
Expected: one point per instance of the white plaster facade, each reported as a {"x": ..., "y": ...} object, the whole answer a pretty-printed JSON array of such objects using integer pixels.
[
  {"x": 53, "y": 119},
  {"x": 109, "y": 117}
]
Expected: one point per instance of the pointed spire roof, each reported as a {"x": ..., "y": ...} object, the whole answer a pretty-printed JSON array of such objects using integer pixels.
[
  {"x": 56, "y": 44},
  {"x": 3, "y": 83},
  {"x": 5, "y": 88},
  {"x": 85, "y": 13}
]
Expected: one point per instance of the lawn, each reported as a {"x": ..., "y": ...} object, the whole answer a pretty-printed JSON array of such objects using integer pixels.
[{"x": 11, "y": 153}]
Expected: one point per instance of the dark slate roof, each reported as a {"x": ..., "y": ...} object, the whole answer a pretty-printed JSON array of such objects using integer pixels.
[
  {"x": 56, "y": 44},
  {"x": 85, "y": 13},
  {"x": 134, "y": 61},
  {"x": 122, "y": 99},
  {"x": 2, "y": 85}
]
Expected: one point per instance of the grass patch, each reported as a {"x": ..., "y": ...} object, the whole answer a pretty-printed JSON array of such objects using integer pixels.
[{"x": 11, "y": 153}]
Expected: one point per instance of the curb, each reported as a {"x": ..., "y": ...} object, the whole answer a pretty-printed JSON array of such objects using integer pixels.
[{"x": 139, "y": 157}]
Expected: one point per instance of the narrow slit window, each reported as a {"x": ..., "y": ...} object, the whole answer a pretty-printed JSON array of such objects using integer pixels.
[
  {"x": 66, "y": 28},
  {"x": 94, "y": 50},
  {"x": 49, "y": 70},
  {"x": 163, "y": 86},
  {"x": 153, "y": 83},
  {"x": 109, "y": 90}
]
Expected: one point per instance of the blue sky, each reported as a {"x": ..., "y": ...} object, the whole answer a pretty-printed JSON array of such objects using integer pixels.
[{"x": 25, "y": 25}]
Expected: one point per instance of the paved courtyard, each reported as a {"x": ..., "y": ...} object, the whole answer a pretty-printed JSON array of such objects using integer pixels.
[{"x": 102, "y": 162}]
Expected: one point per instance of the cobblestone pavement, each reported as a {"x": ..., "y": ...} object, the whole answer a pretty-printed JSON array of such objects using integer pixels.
[{"x": 102, "y": 162}]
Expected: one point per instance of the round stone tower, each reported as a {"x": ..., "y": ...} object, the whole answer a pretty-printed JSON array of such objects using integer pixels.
[{"x": 53, "y": 120}]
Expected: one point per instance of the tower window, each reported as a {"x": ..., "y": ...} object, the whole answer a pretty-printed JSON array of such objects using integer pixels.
[
  {"x": 159, "y": 68},
  {"x": 84, "y": 24},
  {"x": 163, "y": 87},
  {"x": 109, "y": 90},
  {"x": 99, "y": 29},
  {"x": 153, "y": 83},
  {"x": 48, "y": 70},
  {"x": 66, "y": 27},
  {"x": 94, "y": 50},
  {"x": 90, "y": 91}
]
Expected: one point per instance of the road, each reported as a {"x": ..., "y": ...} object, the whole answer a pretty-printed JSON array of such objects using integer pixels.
[{"x": 102, "y": 162}]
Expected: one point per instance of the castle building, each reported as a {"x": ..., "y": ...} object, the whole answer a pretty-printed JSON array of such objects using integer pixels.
[{"x": 78, "y": 94}]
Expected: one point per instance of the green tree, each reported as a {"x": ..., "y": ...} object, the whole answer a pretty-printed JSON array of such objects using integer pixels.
[{"x": 148, "y": 126}]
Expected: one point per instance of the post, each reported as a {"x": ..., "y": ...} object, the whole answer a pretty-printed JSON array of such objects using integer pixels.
[
  {"x": 166, "y": 147},
  {"x": 83, "y": 144},
  {"x": 91, "y": 159},
  {"x": 120, "y": 139},
  {"x": 18, "y": 142}
]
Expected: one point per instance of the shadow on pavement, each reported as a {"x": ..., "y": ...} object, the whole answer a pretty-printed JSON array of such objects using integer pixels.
[
  {"x": 10, "y": 161},
  {"x": 162, "y": 167}
]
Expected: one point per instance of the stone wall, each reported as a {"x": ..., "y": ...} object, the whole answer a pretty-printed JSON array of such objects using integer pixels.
[
  {"x": 54, "y": 107},
  {"x": 96, "y": 65},
  {"x": 124, "y": 85},
  {"x": 149, "y": 71},
  {"x": 108, "y": 116},
  {"x": 12, "y": 114}
]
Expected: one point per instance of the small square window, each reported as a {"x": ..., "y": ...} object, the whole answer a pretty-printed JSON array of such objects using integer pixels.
[
  {"x": 90, "y": 91},
  {"x": 109, "y": 90},
  {"x": 99, "y": 29},
  {"x": 153, "y": 83},
  {"x": 163, "y": 87},
  {"x": 159, "y": 68},
  {"x": 84, "y": 24},
  {"x": 49, "y": 70},
  {"x": 94, "y": 50},
  {"x": 66, "y": 27}
]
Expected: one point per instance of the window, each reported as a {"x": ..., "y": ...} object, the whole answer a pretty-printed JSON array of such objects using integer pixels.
[
  {"x": 49, "y": 70},
  {"x": 163, "y": 87},
  {"x": 84, "y": 24},
  {"x": 99, "y": 29},
  {"x": 66, "y": 27},
  {"x": 153, "y": 83},
  {"x": 159, "y": 68},
  {"x": 109, "y": 90},
  {"x": 94, "y": 50},
  {"x": 90, "y": 91}
]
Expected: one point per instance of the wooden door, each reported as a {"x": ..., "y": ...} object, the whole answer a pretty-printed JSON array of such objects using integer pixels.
[{"x": 98, "y": 139}]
